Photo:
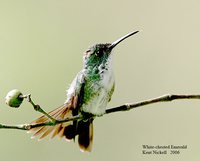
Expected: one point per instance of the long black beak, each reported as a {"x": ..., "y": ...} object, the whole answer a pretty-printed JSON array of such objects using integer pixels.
[{"x": 121, "y": 39}]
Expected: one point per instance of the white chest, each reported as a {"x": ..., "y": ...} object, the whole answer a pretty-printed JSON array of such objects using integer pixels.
[{"x": 97, "y": 105}]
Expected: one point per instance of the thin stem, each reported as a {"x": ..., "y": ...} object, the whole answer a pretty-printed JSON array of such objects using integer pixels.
[{"x": 37, "y": 107}]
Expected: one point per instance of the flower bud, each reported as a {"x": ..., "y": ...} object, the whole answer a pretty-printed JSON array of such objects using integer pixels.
[{"x": 14, "y": 98}]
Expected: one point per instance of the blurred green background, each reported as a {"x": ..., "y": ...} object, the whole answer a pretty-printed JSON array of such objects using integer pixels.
[{"x": 41, "y": 46}]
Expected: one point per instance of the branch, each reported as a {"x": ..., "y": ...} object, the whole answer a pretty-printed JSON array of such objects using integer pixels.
[
  {"x": 164, "y": 98},
  {"x": 125, "y": 107},
  {"x": 30, "y": 126}
]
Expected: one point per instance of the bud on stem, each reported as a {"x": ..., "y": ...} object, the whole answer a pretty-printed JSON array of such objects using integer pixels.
[{"x": 14, "y": 98}]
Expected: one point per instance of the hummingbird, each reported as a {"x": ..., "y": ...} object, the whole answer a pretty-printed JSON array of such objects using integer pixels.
[{"x": 88, "y": 95}]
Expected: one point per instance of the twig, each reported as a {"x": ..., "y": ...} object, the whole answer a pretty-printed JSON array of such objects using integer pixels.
[
  {"x": 30, "y": 126},
  {"x": 164, "y": 98},
  {"x": 125, "y": 107},
  {"x": 37, "y": 107}
]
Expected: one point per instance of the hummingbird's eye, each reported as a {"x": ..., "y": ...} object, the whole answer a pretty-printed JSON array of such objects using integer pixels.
[{"x": 99, "y": 52}]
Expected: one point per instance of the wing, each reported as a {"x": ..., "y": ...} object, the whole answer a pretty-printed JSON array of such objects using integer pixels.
[{"x": 68, "y": 109}]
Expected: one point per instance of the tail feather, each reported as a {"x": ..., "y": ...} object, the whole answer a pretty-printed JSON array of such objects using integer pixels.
[
  {"x": 46, "y": 133},
  {"x": 85, "y": 131},
  {"x": 69, "y": 130},
  {"x": 59, "y": 113},
  {"x": 40, "y": 131},
  {"x": 58, "y": 128},
  {"x": 61, "y": 132}
]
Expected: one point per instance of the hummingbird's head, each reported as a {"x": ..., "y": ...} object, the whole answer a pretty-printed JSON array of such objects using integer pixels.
[
  {"x": 97, "y": 54},
  {"x": 100, "y": 53}
]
